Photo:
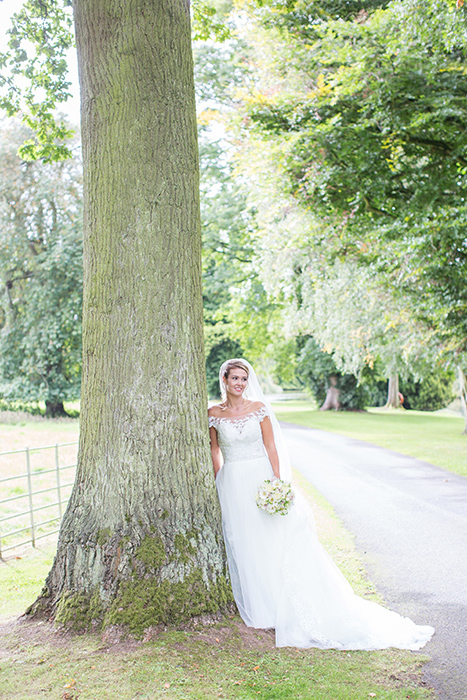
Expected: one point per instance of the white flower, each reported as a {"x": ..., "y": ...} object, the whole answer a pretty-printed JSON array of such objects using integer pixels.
[{"x": 275, "y": 496}]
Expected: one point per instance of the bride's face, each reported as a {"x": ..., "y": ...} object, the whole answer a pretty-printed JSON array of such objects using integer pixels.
[{"x": 235, "y": 383}]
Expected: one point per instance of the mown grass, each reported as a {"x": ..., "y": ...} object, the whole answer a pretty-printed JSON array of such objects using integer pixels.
[
  {"x": 225, "y": 660},
  {"x": 22, "y": 575},
  {"x": 200, "y": 665},
  {"x": 432, "y": 437},
  {"x": 22, "y": 431}
]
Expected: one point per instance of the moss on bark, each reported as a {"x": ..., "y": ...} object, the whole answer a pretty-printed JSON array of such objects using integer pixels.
[
  {"x": 103, "y": 536},
  {"x": 166, "y": 585},
  {"x": 143, "y": 603},
  {"x": 151, "y": 552},
  {"x": 79, "y": 611}
]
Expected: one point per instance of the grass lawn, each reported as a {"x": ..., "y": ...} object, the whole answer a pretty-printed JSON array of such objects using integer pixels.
[
  {"x": 27, "y": 431},
  {"x": 433, "y": 437},
  {"x": 222, "y": 660}
]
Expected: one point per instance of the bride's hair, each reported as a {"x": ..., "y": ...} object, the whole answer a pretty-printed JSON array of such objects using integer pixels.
[{"x": 232, "y": 364}]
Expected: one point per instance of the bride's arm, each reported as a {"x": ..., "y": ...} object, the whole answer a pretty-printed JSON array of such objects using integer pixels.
[
  {"x": 215, "y": 450},
  {"x": 270, "y": 445}
]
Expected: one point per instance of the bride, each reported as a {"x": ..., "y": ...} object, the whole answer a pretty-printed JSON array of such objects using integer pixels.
[{"x": 282, "y": 577}]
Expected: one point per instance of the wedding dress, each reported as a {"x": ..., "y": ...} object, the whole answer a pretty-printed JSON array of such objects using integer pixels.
[{"x": 281, "y": 576}]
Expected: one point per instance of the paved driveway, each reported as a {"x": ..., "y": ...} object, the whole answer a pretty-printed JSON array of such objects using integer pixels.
[{"x": 410, "y": 523}]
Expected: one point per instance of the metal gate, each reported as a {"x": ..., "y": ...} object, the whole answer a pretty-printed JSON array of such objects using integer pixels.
[{"x": 33, "y": 501}]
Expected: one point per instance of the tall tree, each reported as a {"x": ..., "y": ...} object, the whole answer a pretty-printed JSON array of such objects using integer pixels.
[
  {"x": 231, "y": 289},
  {"x": 140, "y": 542},
  {"x": 227, "y": 253},
  {"x": 350, "y": 138},
  {"x": 368, "y": 108},
  {"x": 41, "y": 275}
]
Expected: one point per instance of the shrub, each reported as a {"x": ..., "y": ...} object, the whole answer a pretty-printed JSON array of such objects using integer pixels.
[{"x": 429, "y": 394}]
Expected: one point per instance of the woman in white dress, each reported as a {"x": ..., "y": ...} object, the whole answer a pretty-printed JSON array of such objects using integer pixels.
[{"x": 281, "y": 576}]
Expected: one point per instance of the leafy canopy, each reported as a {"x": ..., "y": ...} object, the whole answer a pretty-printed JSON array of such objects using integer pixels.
[
  {"x": 33, "y": 75},
  {"x": 34, "y": 72},
  {"x": 363, "y": 106}
]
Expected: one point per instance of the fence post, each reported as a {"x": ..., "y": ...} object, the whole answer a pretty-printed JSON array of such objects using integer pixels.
[
  {"x": 31, "y": 511},
  {"x": 57, "y": 471}
]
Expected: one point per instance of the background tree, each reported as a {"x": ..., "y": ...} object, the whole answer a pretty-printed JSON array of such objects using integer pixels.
[
  {"x": 368, "y": 326},
  {"x": 227, "y": 253},
  {"x": 348, "y": 135},
  {"x": 41, "y": 275},
  {"x": 370, "y": 110},
  {"x": 431, "y": 393},
  {"x": 33, "y": 75},
  {"x": 331, "y": 388},
  {"x": 237, "y": 312}
]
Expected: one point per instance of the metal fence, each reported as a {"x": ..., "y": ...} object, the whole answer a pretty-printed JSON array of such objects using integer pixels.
[{"x": 44, "y": 490}]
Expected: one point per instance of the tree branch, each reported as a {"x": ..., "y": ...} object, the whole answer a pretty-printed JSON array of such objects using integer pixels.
[{"x": 370, "y": 207}]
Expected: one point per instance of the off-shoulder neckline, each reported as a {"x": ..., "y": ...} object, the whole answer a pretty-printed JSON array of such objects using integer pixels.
[
  {"x": 261, "y": 409},
  {"x": 250, "y": 403}
]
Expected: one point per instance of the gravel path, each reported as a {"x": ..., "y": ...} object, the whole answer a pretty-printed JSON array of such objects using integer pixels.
[{"x": 410, "y": 523}]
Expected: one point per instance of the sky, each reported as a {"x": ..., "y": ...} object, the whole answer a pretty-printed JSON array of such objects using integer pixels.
[{"x": 69, "y": 108}]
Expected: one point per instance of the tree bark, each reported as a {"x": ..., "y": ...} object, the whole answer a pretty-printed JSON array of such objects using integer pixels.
[
  {"x": 393, "y": 392},
  {"x": 331, "y": 401},
  {"x": 55, "y": 409},
  {"x": 141, "y": 542}
]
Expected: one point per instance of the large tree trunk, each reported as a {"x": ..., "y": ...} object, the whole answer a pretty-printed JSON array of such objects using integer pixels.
[
  {"x": 140, "y": 542},
  {"x": 394, "y": 400},
  {"x": 331, "y": 402},
  {"x": 55, "y": 409}
]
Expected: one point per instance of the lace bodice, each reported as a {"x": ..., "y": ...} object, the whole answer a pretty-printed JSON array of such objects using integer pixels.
[{"x": 240, "y": 438}]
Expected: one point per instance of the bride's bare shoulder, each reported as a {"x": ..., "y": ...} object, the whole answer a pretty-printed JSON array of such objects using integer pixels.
[{"x": 216, "y": 411}]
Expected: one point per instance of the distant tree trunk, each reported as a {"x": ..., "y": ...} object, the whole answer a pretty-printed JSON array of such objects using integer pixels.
[
  {"x": 140, "y": 542},
  {"x": 463, "y": 393},
  {"x": 331, "y": 401},
  {"x": 55, "y": 409},
  {"x": 393, "y": 392}
]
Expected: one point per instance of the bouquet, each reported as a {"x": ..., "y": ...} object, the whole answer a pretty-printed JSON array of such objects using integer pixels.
[{"x": 275, "y": 496}]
